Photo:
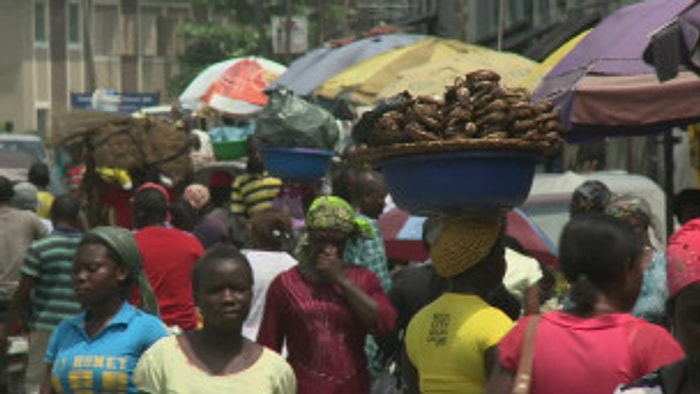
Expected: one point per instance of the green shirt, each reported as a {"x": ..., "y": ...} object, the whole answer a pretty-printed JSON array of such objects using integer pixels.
[{"x": 49, "y": 262}]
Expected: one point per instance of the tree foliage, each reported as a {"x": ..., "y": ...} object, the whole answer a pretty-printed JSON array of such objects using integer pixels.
[
  {"x": 242, "y": 28},
  {"x": 234, "y": 35}
]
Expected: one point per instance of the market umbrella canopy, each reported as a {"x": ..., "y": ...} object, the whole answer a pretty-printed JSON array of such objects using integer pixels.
[
  {"x": 233, "y": 86},
  {"x": 432, "y": 78},
  {"x": 402, "y": 234},
  {"x": 424, "y": 67},
  {"x": 306, "y": 73},
  {"x": 604, "y": 87},
  {"x": 677, "y": 45},
  {"x": 533, "y": 80}
]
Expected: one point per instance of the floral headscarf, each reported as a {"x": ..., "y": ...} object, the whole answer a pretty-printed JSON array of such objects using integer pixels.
[
  {"x": 630, "y": 205},
  {"x": 332, "y": 212}
]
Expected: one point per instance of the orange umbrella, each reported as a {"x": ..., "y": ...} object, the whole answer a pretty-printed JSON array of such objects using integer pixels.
[{"x": 234, "y": 86}]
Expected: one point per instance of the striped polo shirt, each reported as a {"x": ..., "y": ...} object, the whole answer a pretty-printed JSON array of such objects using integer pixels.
[
  {"x": 252, "y": 193},
  {"x": 49, "y": 262}
]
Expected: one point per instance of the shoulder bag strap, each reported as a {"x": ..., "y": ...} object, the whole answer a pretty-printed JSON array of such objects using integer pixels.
[{"x": 522, "y": 382}]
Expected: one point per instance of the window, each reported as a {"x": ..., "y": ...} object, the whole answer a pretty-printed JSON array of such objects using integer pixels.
[
  {"x": 148, "y": 25},
  {"x": 74, "y": 23},
  {"x": 40, "y": 22},
  {"x": 516, "y": 11},
  {"x": 42, "y": 120},
  {"x": 105, "y": 30},
  {"x": 166, "y": 36}
]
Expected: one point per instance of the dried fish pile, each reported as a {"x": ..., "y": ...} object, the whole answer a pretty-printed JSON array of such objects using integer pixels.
[{"x": 475, "y": 107}]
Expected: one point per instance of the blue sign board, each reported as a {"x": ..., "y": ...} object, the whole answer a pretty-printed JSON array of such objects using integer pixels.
[{"x": 123, "y": 103}]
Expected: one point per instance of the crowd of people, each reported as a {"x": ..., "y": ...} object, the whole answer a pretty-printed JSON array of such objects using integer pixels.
[{"x": 209, "y": 294}]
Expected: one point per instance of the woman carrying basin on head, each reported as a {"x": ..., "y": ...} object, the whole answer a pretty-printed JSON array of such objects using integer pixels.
[{"x": 450, "y": 344}]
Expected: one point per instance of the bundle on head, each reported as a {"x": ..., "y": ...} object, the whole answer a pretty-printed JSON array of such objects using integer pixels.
[{"x": 118, "y": 141}]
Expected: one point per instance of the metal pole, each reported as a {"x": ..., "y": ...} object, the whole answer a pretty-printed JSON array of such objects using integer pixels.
[
  {"x": 668, "y": 180},
  {"x": 260, "y": 19},
  {"x": 321, "y": 14},
  {"x": 88, "y": 53},
  {"x": 501, "y": 23},
  {"x": 288, "y": 32}
]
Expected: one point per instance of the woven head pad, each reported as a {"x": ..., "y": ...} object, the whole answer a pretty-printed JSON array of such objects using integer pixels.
[{"x": 463, "y": 243}]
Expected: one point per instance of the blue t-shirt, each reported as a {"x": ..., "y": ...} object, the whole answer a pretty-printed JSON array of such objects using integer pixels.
[{"x": 104, "y": 363}]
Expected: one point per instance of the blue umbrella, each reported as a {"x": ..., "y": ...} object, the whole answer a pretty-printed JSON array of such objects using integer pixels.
[{"x": 308, "y": 72}]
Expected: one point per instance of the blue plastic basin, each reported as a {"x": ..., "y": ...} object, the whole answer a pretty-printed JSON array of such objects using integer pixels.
[
  {"x": 454, "y": 181},
  {"x": 298, "y": 164}
]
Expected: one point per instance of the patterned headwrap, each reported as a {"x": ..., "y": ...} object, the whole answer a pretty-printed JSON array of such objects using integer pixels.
[
  {"x": 124, "y": 245},
  {"x": 463, "y": 242},
  {"x": 683, "y": 258},
  {"x": 630, "y": 205},
  {"x": 332, "y": 212},
  {"x": 591, "y": 196},
  {"x": 197, "y": 195}
]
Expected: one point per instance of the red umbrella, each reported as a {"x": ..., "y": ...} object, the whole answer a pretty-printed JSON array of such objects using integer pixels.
[{"x": 402, "y": 236}]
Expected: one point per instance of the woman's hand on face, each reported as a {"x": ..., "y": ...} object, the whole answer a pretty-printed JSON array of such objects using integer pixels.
[{"x": 329, "y": 264}]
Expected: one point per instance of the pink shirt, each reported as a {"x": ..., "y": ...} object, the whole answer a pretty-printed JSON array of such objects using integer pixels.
[{"x": 595, "y": 355}]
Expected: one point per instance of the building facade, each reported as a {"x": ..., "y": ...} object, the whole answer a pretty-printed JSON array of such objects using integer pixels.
[
  {"x": 515, "y": 25},
  {"x": 53, "y": 48}
]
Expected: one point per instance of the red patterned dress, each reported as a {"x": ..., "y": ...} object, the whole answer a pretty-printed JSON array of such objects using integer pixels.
[{"x": 324, "y": 338}]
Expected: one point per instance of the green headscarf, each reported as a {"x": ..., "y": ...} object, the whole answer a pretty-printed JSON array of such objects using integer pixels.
[
  {"x": 124, "y": 245},
  {"x": 332, "y": 212}
]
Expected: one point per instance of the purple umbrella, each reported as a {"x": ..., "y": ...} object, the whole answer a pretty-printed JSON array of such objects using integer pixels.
[
  {"x": 604, "y": 87},
  {"x": 676, "y": 44},
  {"x": 308, "y": 72}
]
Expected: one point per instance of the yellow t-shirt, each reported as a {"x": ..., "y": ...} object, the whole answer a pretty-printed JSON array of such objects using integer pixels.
[
  {"x": 45, "y": 201},
  {"x": 165, "y": 369},
  {"x": 447, "y": 339}
]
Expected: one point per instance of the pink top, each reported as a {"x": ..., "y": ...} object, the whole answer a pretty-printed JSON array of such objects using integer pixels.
[{"x": 595, "y": 355}]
